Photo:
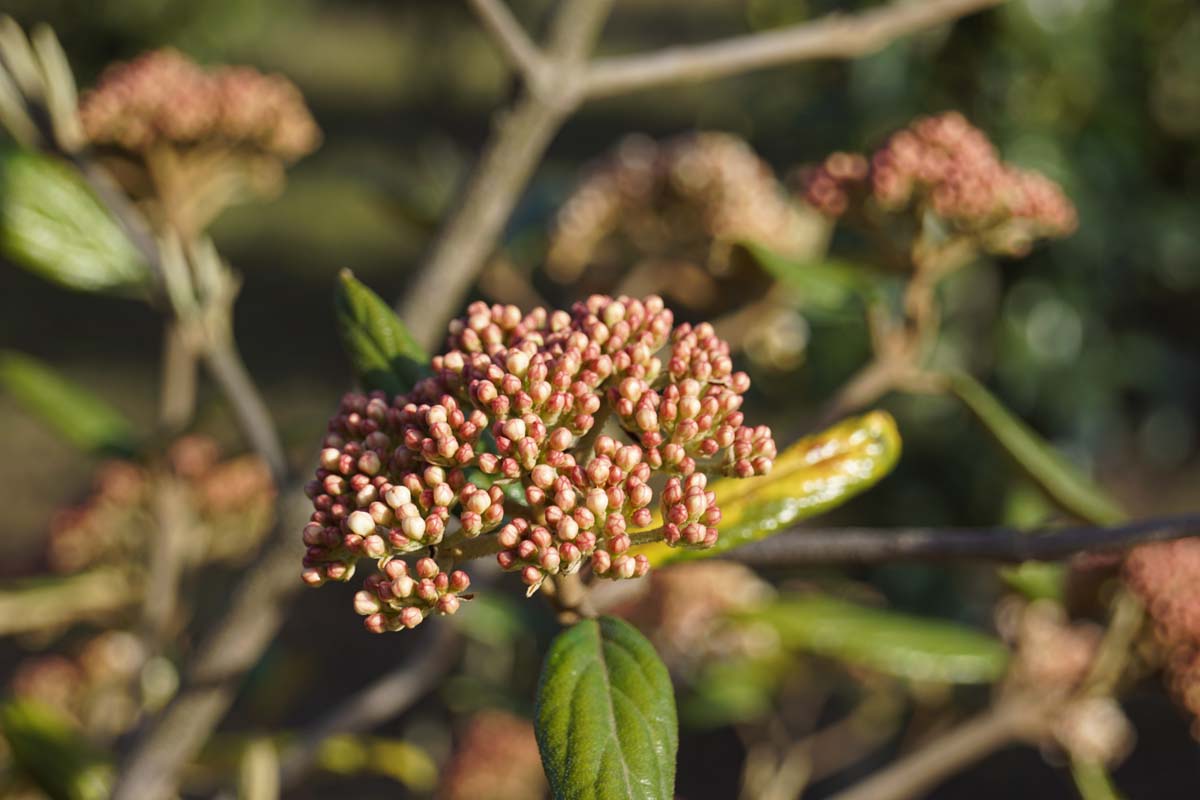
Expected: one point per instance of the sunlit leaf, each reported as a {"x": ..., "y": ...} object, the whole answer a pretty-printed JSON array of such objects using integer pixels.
[
  {"x": 52, "y": 224},
  {"x": 384, "y": 354},
  {"x": 1061, "y": 480},
  {"x": 606, "y": 724},
  {"x": 814, "y": 475},
  {"x": 52, "y": 754},
  {"x": 76, "y": 414},
  {"x": 916, "y": 648}
]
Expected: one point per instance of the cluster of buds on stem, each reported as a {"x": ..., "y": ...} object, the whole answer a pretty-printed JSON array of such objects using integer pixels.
[
  {"x": 945, "y": 166},
  {"x": 520, "y": 402}
]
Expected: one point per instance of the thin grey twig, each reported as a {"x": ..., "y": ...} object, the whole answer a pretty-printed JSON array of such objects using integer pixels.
[
  {"x": 520, "y": 136},
  {"x": 228, "y": 370},
  {"x": 1010, "y": 545},
  {"x": 833, "y": 36},
  {"x": 385, "y": 698},
  {"x": 514, "y": 44},
  {"x": 151, "y": 769}
]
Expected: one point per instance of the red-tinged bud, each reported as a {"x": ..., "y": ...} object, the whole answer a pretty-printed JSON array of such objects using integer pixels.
[
  {"x": 601, "y": 562},
  {"x": 411, "y": 617},
  {"x": 360, "y": 523},
  {"x": 506, "y": 560},
  {"x": 447, "y": 604},
  {"x": 532, "y": 576},
  {"x": 312, "y": 576},
  {"x": 376, "y": 623}
]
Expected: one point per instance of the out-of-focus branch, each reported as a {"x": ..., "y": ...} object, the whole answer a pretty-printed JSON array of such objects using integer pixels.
[
  {"x": 260, "y": 604},
  {"x": 61, "y": 601},
  {"x": 229, "y": 371},
  {"x": 519, "y": 139},
  {"x": 386, "y": 697},
  {"x": 955, "y": 750},
  {"x": 514, "y": 44},
  {"x": 875, "y": 545},
  {"x": 833, "y": 36},
  {"x": 561, "y": 79}
]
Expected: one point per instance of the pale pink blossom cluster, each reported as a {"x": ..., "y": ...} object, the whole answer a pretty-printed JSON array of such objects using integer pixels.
[
  {"x": 945, "y": 165},
  {"x": 506, "y": 439},
  {"x": 1166, "y": 576},
  {"x": 164, "y": 97}
]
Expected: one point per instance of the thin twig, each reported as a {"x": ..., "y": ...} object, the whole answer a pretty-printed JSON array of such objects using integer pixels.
[
  {"x": 52, "y": 602},
  {"x": 519, "y": 139},
  {"x": 385, "y": 698},
  {"x": 514, "y": 44},
  {"x": 151, "y": 769},
  {"x": 958, "y": 748},
  {"x": 1010, "y": 545},
  {"x": 833, "y": 36},
  {"x": 229, "y": 371}
]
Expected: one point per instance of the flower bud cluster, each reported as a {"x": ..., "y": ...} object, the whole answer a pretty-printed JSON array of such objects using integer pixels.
[
  {"x": 229, "y": 505},
  {"x": 521, "y": 400},
  {"x": 398, "y": 597},
  {"x": 163, "y": 97},
  {"x": 1166, "y": 577},
  {"x": 661, "y": 198},
  {"x": 495, "y": 757},
  {"x": 944, "y": 165}
]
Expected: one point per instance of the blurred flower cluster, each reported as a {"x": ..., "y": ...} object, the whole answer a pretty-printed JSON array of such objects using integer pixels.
[
  {"x": 194, "y": 140},
  {"x": 496, "y": 757},
  {"x": 945, "y": 167},
  {"x": 519, "y": 402},
  {"x": 226, "y": 506},
  {"x": 688, "y": 199},
  {"x": 1166, "y": 577}
]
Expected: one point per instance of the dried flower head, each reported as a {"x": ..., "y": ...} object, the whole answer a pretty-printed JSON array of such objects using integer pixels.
[
  {"x": 228, "y": 506},
  {"x": 946, "y": 166},
  {"x": 689, "y": 197},
  {"x": 1053, "y": 654},
  {"x": 1166, "y": 576},
  {"x": 163, "y": 97},
  {"x": 496, "y": 757},
  {"x": 517, "y": 404}
]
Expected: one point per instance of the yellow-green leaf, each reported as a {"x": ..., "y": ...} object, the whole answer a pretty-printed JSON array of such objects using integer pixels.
[
  {"x": 1058, "y": 478},
  {"x": 51, "y": 753},
  {"x": 916, "y": 648},
  {"x": 814, "y": 475},
  {"x": 79, "y": 416}
]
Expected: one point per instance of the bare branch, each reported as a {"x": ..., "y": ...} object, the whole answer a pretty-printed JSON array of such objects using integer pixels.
[
  {"x": 519, "y": 139},
  {"x": 834, "y": 36},
  {"x": 514, "y": 44},
  {"x": 875, "y": 545},
  {"x": 386, "y": 697},
  {"x": 48, "y": 603}
]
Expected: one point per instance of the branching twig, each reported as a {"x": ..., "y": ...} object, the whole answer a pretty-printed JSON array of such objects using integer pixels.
[
  {"x": 1012, "y": 545},
  {"x": 514, "y": 44},
  {"x": 834, "y": 36},
  {"x": 385, "y": 698}
]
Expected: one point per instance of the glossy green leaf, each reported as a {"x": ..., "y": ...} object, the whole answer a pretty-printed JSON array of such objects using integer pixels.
[
  {"x": 78, "y": 415},
  {"x": 52, "y": 224},
  {"x": 916, "y": 648},
  {"x": 1061, "y": 480},
  {"x": 814, "y": 475},
  {"x": 823, "y": 285},
  {"x": 384, "y": 354},
  {"x": 606, "y": 724},
  {"x": 52, "y": 754}
]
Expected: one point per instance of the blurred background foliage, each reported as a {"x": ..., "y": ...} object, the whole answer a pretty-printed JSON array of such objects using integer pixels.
[{"x": 1092, "y": 339}]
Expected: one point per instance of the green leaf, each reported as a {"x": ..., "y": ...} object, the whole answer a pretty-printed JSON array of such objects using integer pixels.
[
  {"x": 897, "y": 644},
  {"x": 823, "y": 285},
  {"x": 606, "y": 724},
  {"x": 1056, "y": 476},
  {"x": 79, "y": 416},
  {"x": 814, "y": 475},
  {"x": 1093, "y": 781},
  {"x": 384, "y": 354},
  {"x": 52, "y": 224},
  {"x": 733, "y": 691},
  {"x": 47, "y": 749}
]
